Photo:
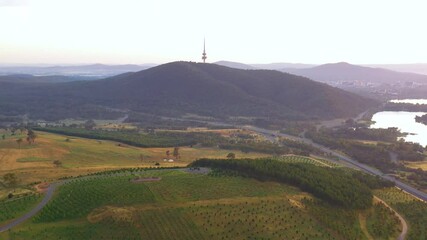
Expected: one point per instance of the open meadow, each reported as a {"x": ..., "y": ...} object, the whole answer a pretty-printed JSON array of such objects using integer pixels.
[{"x": 79, "y": 156}]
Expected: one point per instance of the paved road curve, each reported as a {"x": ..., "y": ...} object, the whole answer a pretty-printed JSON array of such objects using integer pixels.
[{"x": 48, "y": 195}]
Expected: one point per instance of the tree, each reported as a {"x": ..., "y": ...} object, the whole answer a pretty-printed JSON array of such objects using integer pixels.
[
  {"x": 176, "y": 153},
  {"x": 168, "y": 154},
  {"x": 231, "y": 156},
  {"x": 3, "y": 137},
  {"x": 89, "y": 124},
  {"x": 350, "y": 122},
  {"x": 57, "y": 163},
  {"x": 31, "y": 136},
  {"x": 10, "y": 179},
  {"x": 19, "y": 142}
]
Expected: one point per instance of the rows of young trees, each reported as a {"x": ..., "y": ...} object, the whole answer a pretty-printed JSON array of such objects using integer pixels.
[
  {"x": 250, "y": 146},
  {"x": 172, "y": 139},
  {"x": 413, "y": 210},
  {"x": 332, "y": 185},
  {"x": 135, "y": 138}
]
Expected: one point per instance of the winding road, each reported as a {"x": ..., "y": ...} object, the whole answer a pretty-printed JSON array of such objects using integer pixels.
[
  {"x": 404, "y": 231},
  {"x": 48, "y": 195},
  {"x": 271, "y": 135}
]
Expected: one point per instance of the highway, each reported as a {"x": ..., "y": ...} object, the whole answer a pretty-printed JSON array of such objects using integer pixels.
[
  {"x": 271, "y": 135},
  {"x": 407, "y": 188}
]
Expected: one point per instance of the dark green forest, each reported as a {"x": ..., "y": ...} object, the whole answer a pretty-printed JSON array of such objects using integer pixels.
[
  {"x": 332, "y": 185},
  {"x": 177, "y": 88}
]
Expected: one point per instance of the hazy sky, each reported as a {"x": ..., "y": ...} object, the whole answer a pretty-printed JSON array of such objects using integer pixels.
[{"x": 250, "y": 31}]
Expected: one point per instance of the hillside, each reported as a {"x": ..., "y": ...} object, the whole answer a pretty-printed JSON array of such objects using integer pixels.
[
  {"x": 181, "y": 87},
  {"x": 235, "y": 65},
  {"x": 157, "y": 204},
  {"x": 419, "y": 68},
  {"x": 278, "y": 66},
  {"x": 267, "y": 66},
  {"x": 347, "y": 72}
]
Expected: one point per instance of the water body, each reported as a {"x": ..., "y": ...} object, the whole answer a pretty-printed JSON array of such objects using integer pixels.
[
  {"x": 405, "y": 121},
  {"x": 411, "y": 101}
]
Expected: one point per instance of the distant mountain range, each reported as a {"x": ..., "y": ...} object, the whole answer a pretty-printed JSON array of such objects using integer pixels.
[
  {"x": 335, "y": 72},
  {"x": 26, "y": 78},
  {"x": 324, "y": 73},
  {"x": 419, "y": 68},
  {"x": 93, "y": 70},
  {"x": 347, "y": 72},
  {"x": 269, "y": 66},
  {"x": 177, "y": 88}
]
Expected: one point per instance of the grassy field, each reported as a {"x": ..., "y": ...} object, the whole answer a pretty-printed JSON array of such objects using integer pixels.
[
  {"x": 180, "y": 206},
  {"x": 10, "y": 209},
  {"x": 416, "y": 165},
  {"x": 33, "y": 163}
]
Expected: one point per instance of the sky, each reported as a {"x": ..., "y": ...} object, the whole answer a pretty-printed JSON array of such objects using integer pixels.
[{"x": 248, "y": 31}]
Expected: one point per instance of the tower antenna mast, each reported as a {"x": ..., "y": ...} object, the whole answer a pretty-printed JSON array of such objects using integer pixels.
[{"x": 204, "y": 57}]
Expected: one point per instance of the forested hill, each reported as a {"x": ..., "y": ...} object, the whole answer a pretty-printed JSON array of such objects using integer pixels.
[
  {"x": 184, "y": 87},
  {"x": 334, "y": 72}
]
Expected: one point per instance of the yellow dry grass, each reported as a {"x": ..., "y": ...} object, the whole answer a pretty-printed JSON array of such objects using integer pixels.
[
  {"x": 416, "y": 165},
  {"x": 33, "y": 163}
]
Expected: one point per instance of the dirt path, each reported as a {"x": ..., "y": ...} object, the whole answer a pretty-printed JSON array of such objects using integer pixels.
[
  {"x": 402, "y": 235},
  {"x": 362, "y": 222}
]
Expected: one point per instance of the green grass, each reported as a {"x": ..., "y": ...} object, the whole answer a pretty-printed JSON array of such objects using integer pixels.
[
  {"x": 182, "y": 187},
  {"x": 302, "y": 159},
  {"x": 79, "y": 197},
  {"x": 268, "y": 218},
  {"x": 381, "y": 222},
  {"x": 341, "y": 222},
  {"x": 413, "y": 210},
  {"x": 11, "y": 209},
  {"x": 184, "y": 205}
]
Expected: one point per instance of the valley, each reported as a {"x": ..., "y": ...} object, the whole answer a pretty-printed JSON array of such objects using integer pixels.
[
  {"x": 136, "y": 169},
  {"x": 216, "y": 120}
]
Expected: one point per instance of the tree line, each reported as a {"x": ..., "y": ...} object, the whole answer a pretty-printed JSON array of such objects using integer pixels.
[{"x": 332, "y": 185}]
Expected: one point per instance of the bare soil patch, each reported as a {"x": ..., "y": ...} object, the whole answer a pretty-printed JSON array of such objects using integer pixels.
[{"x": 42, "y": 187}]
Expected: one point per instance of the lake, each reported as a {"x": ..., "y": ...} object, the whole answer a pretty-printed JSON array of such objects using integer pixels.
[
  {"x": 412, "y": 101},
  {"x": 405, "y": 121}
]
